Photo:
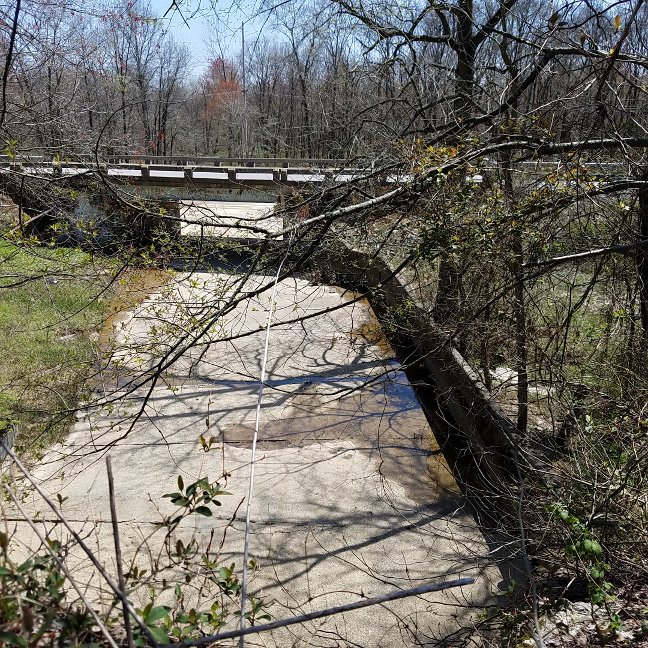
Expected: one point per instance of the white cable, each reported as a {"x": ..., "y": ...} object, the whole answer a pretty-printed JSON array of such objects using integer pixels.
[{"x": 257, "y": 418}]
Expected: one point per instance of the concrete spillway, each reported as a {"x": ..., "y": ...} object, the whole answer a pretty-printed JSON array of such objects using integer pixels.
[
  {"x": 229, "y": 219},
  {"x": 352, "y": 495}
]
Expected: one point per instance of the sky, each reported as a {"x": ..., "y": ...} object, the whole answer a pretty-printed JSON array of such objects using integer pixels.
[{"x": 209, "y": 29}]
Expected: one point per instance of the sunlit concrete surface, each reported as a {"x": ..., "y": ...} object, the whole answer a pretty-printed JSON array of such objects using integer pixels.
[
  {"x": 221, "y": 218},
  {"x": 166, "y": 173},
  {"x": 124, "y": 172},
  {"x": 74, "y": 170},
  {"x": 306, "y": 177},
  {"x": 38, "y": 170},
  {"x": 266, "y": 176},
  {"x": 403, "y": 177},
  {"x": 206, "y": 174},
  {"x": 352, "y": 496}
]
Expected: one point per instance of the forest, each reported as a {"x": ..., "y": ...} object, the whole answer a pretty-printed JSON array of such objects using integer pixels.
[{"x": 500, "y": 171}]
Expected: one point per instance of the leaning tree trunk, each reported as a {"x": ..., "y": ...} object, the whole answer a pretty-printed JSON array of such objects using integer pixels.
[
  {"x": 642, "y": 260},
  {"x": 449, "y": 285}
]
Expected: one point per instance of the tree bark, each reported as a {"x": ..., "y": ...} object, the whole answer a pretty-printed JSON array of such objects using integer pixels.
[
  {"x": 465, "y": 67},
  {"x": 642, "y": 260}
]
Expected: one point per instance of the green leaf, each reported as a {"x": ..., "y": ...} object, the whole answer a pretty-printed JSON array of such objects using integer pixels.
[
  {"x": 157, "y": 613},
  {"x": 159, "y": 635},
  {"x": 12, "y": 639},
  {"x": 203, "y": 510},
  {"x": 595, "y": 547},
  {"x": 26, "y": 566},
  {"x": 180, "y": 482}
]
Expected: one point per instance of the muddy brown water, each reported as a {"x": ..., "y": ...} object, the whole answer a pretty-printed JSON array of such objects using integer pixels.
[
  {"x": 139, "y": 284},
  {"x": 372, "y": 331}
]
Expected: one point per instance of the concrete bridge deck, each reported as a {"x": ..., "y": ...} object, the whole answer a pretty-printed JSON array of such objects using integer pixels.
[{"x": 203, "y": 171}]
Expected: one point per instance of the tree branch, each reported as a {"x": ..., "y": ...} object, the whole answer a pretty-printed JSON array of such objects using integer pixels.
[
  {"x": 8, "y": 61},
  {"x": 588, "y": 254}
]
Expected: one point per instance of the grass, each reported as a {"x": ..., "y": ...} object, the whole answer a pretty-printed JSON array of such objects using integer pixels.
[{"x": 51, "y": 308}]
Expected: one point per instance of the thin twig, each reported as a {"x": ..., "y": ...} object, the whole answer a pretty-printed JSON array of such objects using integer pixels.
[
  {"x": 310, "y": 616},
  {"x": 100, "y": 568},
  {"x": 257, "y": 420},
  {"x": 63, "y": 568},
  {"x": 536, "y": 631},
  {"x": 118, "y": 554},
  {"x": 587, "y": 254}
]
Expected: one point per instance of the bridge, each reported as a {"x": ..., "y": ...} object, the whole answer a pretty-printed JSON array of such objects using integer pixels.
[
  {"x": 222, "y": 196},
  {"x": 200, "y": 171},
  {"x": 214, "y": 196},
  {"x": 283, "y": 174}
]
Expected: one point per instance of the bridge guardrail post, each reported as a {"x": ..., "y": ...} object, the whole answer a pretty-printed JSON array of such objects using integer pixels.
[
  {"x": 231, "y": 174},
  {"x": 146, "y": 173}
]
